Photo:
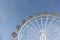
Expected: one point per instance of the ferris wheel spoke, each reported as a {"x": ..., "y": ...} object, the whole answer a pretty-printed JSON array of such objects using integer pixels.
[
  {"x": 50, "y": 27},
  {"x": 50, "y": 37},
  {"x": 29, "y": 30},
  {"x": 46, "y": 22},
  {"x": 51, "y": 30},
  {"x": 35, "y": 27},
  {"x": 53, "y": 33},
  {"x": 57, "y": 23},
  {"x": 31, "y": 36},
  {"x": 51, "y": 23},
  {"x": 37, "y": 24},
  {"x": 54, "y": 24},
  {"x": 41, "y": 23},
  {"x": 52, "y": 20},
  {"x": 33, "y": 30}
]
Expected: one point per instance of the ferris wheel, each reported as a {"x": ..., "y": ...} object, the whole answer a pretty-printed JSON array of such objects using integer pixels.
[{"x": 41, "y": 27}]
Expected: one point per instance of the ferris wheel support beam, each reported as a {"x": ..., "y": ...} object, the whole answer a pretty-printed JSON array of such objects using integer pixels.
[{"x": 43, "y": 35}]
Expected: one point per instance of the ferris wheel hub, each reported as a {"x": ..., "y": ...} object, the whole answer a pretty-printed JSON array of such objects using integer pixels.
[
  {"x": 43, "y": 35},
  {"x": 42, "y": 32}
]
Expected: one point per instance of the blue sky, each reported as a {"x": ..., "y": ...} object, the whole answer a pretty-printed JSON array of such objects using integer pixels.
[{"x": 13, "y": 11}]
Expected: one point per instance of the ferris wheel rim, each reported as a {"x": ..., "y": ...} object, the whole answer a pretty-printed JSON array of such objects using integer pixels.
[{"x": 30, "y": 21}]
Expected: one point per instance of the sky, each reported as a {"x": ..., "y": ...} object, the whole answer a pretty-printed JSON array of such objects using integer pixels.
[{"x": 12, "y": 12}]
